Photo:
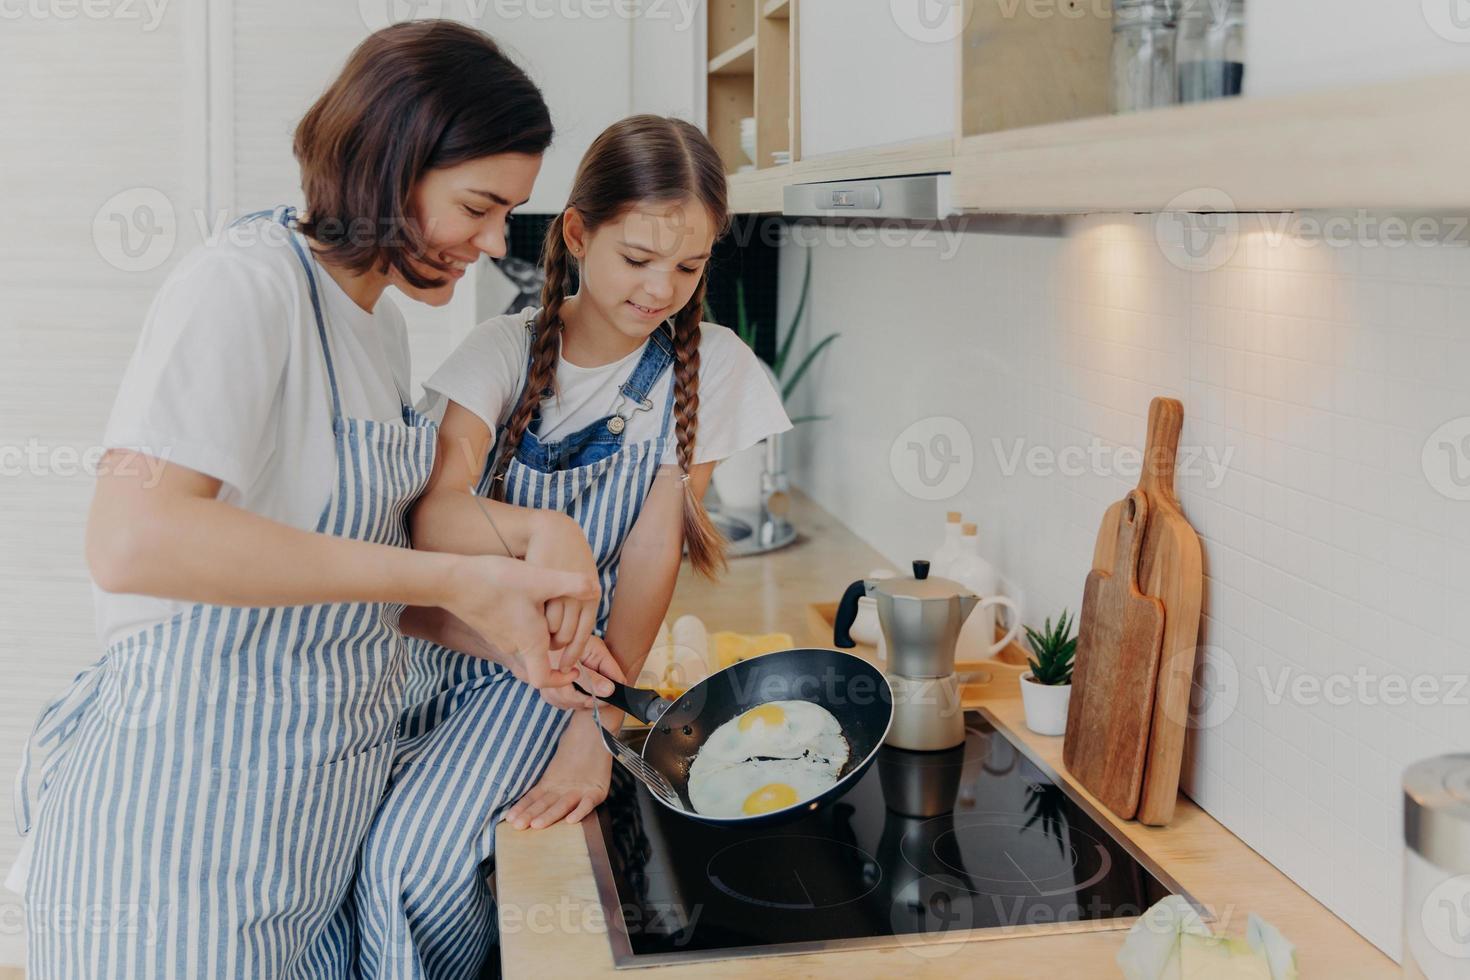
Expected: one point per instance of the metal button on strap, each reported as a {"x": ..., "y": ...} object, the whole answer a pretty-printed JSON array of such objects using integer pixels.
[{"x": 616, "y": 424}]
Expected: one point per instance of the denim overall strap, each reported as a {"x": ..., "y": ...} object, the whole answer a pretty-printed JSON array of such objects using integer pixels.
[{"x": 658, "y": 355}]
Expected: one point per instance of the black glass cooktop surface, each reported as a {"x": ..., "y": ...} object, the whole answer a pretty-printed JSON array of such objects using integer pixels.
[{"x": 926, "y": 849}]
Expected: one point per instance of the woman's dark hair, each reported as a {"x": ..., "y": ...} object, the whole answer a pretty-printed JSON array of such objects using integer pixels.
[
  {"x": 639, "y": 160},
  {"x": 412, "y": 98}
]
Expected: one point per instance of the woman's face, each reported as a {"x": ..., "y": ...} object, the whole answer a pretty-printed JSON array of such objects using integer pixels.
[
  {"x": 462, "y": 211},
  {"x": 641, "y": 268}
]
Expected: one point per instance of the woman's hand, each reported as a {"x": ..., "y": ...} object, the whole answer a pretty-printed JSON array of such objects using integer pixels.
[
  {"x": 504, "y": 601},
  {"x": 576, "y": 780},
  {"x": 557, "y": 541},
  {"x": 597, "y": 660}
]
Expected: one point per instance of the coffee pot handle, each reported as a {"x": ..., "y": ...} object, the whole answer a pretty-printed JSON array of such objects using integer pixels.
[{"x": 847, "y": 611}]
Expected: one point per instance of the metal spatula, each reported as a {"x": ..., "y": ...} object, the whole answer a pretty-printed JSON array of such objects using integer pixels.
[{"x": 650, "y": 777}]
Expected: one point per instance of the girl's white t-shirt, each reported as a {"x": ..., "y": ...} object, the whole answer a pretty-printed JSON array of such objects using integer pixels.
[
  {"x": 229, "y": 379},
  {"x": 738, "y": 405}
]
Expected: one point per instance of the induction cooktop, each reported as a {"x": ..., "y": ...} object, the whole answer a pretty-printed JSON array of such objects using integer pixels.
[{"x": 928, "y": 849}]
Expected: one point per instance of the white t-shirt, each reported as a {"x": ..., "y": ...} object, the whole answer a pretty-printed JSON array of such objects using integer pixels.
[
  {"x": 229, "y": 379},
  {"x": 738, "y": 405}
]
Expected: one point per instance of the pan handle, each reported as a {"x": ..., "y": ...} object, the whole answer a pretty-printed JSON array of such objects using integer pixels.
[
  {"x": 847, "y": 611},
  {"x": 645, "y": 705}
]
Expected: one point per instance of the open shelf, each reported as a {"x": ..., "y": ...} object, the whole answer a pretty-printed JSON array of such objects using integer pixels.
[
  {"x": 753, "y": 75},
  {"x": 1392, "y": 145},
  {"x": 738, "y": 60}
]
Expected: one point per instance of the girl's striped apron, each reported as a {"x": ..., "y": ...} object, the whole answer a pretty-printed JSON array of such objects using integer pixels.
[
  {"x": 478, "y": 739},
  {"x": 207, "y": 785}
]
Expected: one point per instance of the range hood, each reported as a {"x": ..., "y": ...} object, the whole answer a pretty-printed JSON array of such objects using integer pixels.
[{"x": 921, "y": 197}]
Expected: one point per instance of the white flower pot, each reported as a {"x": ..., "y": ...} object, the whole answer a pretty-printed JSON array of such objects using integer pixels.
[
  {"x": 738, "y": 479},
  {"x": 1046, "y": 705}
]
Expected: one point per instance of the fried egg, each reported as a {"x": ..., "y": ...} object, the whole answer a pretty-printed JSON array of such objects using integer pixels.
[
  {"x": 748, "y": 789},
  {"x": 777, "y": 730},
  {"x": 770, "y": 757}
]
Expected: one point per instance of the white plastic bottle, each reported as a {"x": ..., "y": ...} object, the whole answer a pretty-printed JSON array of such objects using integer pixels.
[
  {"x": 949, "y": 548},
  {"x": 977, "y": 636},
  {"x": 970, "y": 569}
]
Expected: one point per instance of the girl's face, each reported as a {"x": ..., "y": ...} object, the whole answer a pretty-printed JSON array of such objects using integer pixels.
[
  {"x": 462, "y": 211},
  {"x": 642, "y": 267}
]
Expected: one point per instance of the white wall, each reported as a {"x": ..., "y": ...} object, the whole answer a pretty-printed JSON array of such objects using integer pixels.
[
  {"x": 1324, "y": 371},
  {"x": 106, "y": 110}
]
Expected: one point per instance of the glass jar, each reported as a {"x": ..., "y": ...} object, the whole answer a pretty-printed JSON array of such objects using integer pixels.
[
  {"x": 1143, "y": 55},
  {"x": 1210, "y": 50},
  {"x": 1436, "y": 906}
]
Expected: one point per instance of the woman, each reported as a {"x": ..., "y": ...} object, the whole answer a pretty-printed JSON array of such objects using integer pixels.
[{"x": 207, "y": 784}]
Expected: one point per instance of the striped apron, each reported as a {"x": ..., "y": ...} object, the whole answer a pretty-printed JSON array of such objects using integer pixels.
[
  {"x": 207, "y": 785},
  {"x": 476, "y": 738}
]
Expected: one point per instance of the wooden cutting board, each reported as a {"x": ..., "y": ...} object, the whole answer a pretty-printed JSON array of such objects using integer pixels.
[
  {"x": 1170, "y": 568},
  {"x": 1118, "y": 638}
]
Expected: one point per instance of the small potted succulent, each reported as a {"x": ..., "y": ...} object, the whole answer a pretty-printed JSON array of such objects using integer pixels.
[{"x": 1047, "y": 686}]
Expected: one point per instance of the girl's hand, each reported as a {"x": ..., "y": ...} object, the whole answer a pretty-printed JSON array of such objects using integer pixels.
[
  {"x": 576, "y": 780},
  {"x": 504, "y": 601},
  {"x": 598, "y": 660},
  {"x": 557, "y": 541}
]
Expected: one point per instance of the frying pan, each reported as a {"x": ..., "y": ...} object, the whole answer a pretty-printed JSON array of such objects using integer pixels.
[{"x": 852, "y": 689}]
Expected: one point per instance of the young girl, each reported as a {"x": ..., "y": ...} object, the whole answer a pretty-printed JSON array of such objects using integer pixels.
[{"x": 608, "y": 407}]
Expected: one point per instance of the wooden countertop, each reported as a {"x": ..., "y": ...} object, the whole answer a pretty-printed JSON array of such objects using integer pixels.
[{"x": 552, "y": 923}]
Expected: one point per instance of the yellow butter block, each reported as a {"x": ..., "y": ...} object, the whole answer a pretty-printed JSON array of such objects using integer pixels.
[{"x": 729, "y": 648}]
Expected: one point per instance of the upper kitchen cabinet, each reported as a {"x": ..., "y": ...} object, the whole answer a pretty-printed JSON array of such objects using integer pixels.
[
  {"x": 866, "y": 82},
  {"x": 876, "y": 74},
  {"x": 1009, "y": 98}
]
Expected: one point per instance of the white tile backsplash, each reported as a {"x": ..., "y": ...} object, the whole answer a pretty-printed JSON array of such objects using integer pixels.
[{"x": 1314, "y": 373}]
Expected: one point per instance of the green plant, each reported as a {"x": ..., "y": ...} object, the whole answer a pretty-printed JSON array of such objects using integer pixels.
[
  {"x": 1054, "y": 649},
  {"x": 747, "y": 329}
]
